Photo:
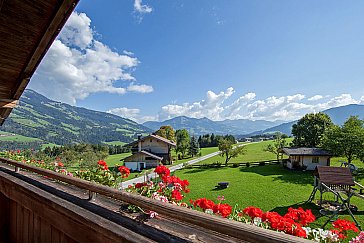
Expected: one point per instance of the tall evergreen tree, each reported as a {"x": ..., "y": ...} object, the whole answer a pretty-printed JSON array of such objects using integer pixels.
[{"x": 194, "y": 148}]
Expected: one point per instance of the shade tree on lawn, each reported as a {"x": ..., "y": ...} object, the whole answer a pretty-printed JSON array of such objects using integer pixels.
[
  {"x": 276, "y": 147},
  {"x": 309, "y": 130},
  {"x": 228, "y": 150},
  {"x": 347, "y": 140}
]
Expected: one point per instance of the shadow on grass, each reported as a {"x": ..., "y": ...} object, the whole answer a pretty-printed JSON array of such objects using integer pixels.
[
  {"x": 305, "y": 205},
  {"x": 197, "y": 170},
  {"x": 282, "y": 174}
]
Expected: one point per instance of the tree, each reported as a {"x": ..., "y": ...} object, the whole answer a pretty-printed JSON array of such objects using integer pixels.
[
  {"x": 309, "y": 130},
  {"x": 183, "y": 141},
  {"x": 277, "y": 146},
  {"x": 228, "y": 150},
  {"x": 166, "y": 132},
  {"x": 193, "y": 148},
  {"x": 347, "y": 140}
]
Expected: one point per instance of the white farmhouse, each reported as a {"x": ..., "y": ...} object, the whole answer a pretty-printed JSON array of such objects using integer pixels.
[
  {"x": 149, "y": 152},
  {"x": 308, "y": 158}
]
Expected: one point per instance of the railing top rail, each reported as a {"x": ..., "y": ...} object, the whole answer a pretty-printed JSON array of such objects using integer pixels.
[{"x": 228, "y": 227}]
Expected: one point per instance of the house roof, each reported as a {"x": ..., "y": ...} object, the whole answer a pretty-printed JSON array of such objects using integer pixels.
[
  {"x": 306, "y": 151},
  {"x": 156, "y": 137},
  {"x": 146, "y": 153},
  {"x": 27, "y": 30},
  {"x": 334, "y": 175}
]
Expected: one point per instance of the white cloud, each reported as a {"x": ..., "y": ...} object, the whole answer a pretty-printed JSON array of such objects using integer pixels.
[
  {"x": 132, "y": 114},
  {"x": 78, "y": 65},
  {"x": 142, "y": 8},
  {"x": 140, "y": 88},
  {"x": 210, "y": 107},
  {"x": 315, "y": 97},
  {"x": 288, "y": 108}
]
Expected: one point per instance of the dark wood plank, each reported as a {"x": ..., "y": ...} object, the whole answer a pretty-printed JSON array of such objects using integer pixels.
[
  {"x": 36, "y": 228},
  {"x": 46, "y": 231},
  {"x": 31, "y": 227},
  {"x": 56, "y": 235},
  {"x": 13, "y": 221},
  {"x": 25, "y": 232},
  {"x": 19, "y": 223},
  {"x": 4, "y": 218}
]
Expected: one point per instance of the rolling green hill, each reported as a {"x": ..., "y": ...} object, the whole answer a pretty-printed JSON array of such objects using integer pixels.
[{"x": 39, "y": 117}]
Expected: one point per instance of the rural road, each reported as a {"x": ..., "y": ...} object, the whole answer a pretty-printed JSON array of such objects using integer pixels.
[{"x": 141, "y": 179}]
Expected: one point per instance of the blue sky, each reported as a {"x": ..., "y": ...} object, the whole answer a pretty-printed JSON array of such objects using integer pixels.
[{"x": 153, "y": 60}]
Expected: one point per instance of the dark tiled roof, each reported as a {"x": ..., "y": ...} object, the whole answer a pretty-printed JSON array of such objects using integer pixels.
[
  {"x": 146, "y": 153},
  {"x": 334, "y": 175},
  {"x": 156, "y": 137},
  {"x": 306, "y": 151}
]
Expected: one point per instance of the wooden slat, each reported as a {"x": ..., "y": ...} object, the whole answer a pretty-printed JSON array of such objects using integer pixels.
[
  {"x": 46, "y": 231},
  {"x": 7, "y": 103},
  {"x": 25, "y": 232},
  {"x": 13, "y": 218},
  {"x": 37, "y": 228},
  {"x": 19, "y": 223},
  {"x": 224, "y": 226},
  {"x": 4, "y": 218}
]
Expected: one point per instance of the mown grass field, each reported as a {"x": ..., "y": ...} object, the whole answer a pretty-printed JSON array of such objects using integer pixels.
[
  {"x": 17, "y": 138},
  {"x": 270, "y": 187},
  {"x": 253, "y": 153}
]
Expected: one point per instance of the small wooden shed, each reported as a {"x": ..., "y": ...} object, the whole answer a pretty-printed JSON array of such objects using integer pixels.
[{"x": 307, "y": 158}]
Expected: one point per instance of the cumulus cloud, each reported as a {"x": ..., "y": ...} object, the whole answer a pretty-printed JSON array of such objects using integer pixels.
[
  {"x": 247, "y": 106},
  {"x": 211, "y": 106},
  {"x": 141, "y": 9},
  {"x": 315, "y": 97},
  {"x": 78, "y": 65},
  {"x": 132, "y": 114}
]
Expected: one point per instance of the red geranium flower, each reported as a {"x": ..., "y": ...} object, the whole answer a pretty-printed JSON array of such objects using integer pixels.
[
  {"x": 222, "y": 209},
  {"x": 204, "y": 203},
  {"x": 60, "y": 164},
  {"x": 300, "y": 216},
  {"x": 253, "y": 212},
  {"x": 162, "y": 170},
  {"x": 124, "y": 171},
  {"x": 177, "y": 195},
  {"x": 103, "y": 164}
]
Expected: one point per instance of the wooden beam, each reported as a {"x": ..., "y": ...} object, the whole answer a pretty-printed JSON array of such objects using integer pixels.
[
  {"x": 1, "y": 4},
  {"x": 8, "y": 103},
  {"x": 57, "y": 21}
]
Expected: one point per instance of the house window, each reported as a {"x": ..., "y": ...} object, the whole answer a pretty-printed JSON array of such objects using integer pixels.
[
  {"x": 315, "y": 160},
  {"x": 151, "y": 140}
]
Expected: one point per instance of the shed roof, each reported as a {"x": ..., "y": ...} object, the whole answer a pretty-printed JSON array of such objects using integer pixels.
[
  {"x": 146, "y": 153},
  {"x": 156, "y": 137},
  {"x": 334, "y": 175},
  {"x": 27, "y": 30},
  {"x": 306, "y": 151}
]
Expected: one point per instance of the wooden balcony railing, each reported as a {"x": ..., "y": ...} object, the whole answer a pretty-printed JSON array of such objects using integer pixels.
[{"x": 235, "y": 230}]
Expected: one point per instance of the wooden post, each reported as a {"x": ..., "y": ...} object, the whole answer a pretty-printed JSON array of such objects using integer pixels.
[{"x": 91, "y": 195}]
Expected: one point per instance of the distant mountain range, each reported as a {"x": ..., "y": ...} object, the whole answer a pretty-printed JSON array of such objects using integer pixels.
[
  {"x": 51, "y": 121},
  {"x": 338, "y": 116},
  {"x": 204, "y": 125},
  {"x": 245, "y": 128}
]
